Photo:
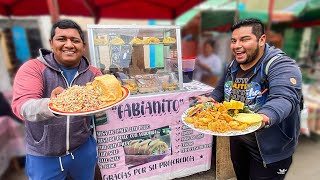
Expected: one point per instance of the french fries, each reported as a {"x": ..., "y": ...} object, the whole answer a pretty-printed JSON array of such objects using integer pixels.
[{"x": 214, "y": 117}]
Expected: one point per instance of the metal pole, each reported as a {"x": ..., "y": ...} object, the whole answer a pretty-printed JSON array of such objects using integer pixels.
[
  {"x": 270, "y": 13},
  {"x": 236, "y": 14},
  {"x": 54, "y": 10},
  {"x": 200, "y": 29}
]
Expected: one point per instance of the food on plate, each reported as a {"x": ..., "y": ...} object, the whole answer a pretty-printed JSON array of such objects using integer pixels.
[
  {"x": 108, "y": 86},
  {"x": 169, "y": 40},
  {"x": 236, "y": 125},
  {"x": 233, "y": 104},
  {"x": 219, "y": 126},
  {"x": 217, "y": 117},
  {"x": 103, "y": 91},
  {"x": 78, "y": 99},
  {"x": 136, "y": 41},
  {"x": 248, "y": 118},
  {"x": 117, "y": 41},
  {"x": 146, "y": 147},
  {"x": 152, "y": 40},
  {"x": 195, "y": 109}
]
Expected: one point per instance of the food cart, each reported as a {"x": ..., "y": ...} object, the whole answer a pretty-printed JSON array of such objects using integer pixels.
[{"x": 144, "y": 137}]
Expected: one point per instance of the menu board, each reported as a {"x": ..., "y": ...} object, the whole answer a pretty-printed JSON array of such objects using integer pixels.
[{"x": 144, "y": 138}]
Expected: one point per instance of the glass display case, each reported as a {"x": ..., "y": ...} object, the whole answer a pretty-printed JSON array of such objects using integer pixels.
[{"x": 146, "y": 59}]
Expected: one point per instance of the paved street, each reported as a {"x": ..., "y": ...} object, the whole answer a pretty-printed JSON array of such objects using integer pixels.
[{"x": 306, "y": 165}]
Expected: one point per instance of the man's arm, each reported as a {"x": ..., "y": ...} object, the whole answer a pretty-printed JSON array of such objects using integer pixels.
[
  {"x": 27, "y": 102},
  {"x": 285, "y": 84}
]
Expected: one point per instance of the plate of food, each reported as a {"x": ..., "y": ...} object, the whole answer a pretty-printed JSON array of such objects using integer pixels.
[
  {"x": 101, "y": 94},
  {"x": 222, "y": 119}
]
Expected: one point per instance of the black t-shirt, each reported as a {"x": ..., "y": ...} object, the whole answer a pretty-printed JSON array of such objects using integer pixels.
[{"x": 239, "y": 93}]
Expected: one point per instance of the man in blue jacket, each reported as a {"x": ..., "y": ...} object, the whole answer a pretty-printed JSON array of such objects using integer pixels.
[{"x": 266, "y": 153}]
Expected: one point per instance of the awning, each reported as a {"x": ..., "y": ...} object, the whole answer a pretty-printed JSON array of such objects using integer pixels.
[
  {"x": 220, "y": 15},
  {"x": 126, "y": 9},
  {"x": 307, "y": 12}
]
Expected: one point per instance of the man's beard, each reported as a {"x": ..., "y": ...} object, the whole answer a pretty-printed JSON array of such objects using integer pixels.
[{"x": 251, "y": 57}]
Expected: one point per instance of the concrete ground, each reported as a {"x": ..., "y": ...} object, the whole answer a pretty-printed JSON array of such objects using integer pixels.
[{"x": 305, "y": 166}]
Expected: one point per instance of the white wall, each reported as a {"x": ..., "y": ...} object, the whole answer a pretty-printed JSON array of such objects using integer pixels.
[
  {"x": 4, "y": 74},
  {"x": 44, "y": 23}
]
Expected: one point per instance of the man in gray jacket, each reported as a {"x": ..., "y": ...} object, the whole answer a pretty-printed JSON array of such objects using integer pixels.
[
  {"x": 266, "y": 153},
  {"x": 57, "y": 146}
]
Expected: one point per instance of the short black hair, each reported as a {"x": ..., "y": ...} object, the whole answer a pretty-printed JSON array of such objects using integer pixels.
[
  {"x": 211, "y": 42},
  {"x": 66, "y": 24},
  {"x": 256, "y": 24}
]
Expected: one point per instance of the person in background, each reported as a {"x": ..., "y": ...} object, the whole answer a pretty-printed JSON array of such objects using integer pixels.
[
  {"x": 266, "y": 153},
  {"x": 208, "y": 65},
  {"x": 56, "y": 147},
  {"x": 5, "y": 109}
]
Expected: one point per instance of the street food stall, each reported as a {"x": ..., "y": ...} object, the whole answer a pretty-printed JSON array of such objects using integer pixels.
[
  {"x": 161, "y": 128},
  {"x": 310, "y": 118},
  {"x": 144, "y": 137}
]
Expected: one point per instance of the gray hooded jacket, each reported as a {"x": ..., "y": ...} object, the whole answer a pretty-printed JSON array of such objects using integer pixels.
[{"x": 47, "y": 134}]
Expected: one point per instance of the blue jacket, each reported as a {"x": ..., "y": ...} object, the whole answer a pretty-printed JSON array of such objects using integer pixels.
[{"x": 280, "y": 103}]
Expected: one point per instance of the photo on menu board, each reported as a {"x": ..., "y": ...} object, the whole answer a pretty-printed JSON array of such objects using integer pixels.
[{"x": 147, "y": 147}]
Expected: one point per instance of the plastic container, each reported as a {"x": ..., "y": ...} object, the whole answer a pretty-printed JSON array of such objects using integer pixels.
[
  {"x": 187, "y": 76},
  {"x": 168, "y": 81},
  {"x": 147, "y": 83},
  {"x": 188, "y": 64}
]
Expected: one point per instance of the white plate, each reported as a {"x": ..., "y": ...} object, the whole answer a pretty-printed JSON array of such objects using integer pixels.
[
  {"x": 125, "y": 95},
  {"x": 250, "y": 129}
]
